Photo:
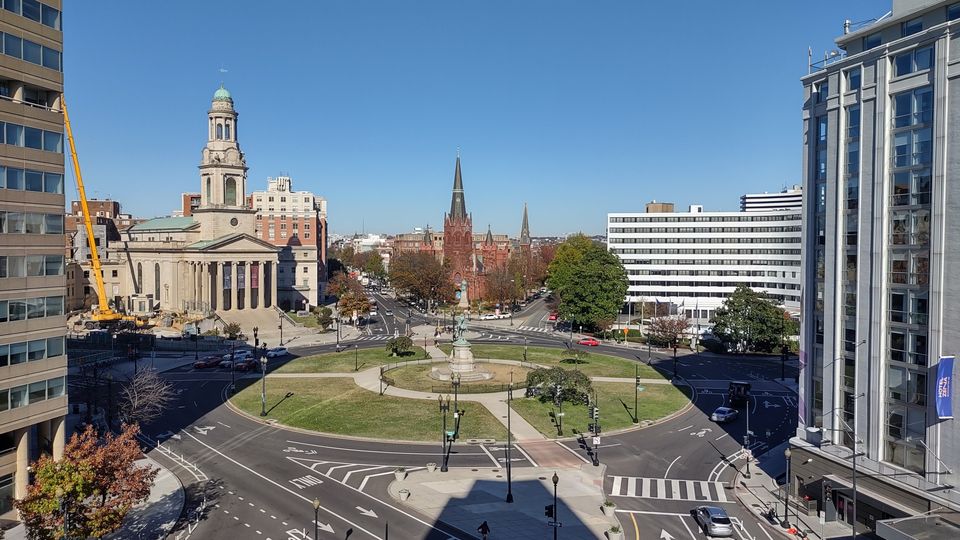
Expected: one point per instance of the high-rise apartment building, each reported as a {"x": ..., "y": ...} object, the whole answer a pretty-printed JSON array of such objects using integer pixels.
[
  {"x": 297, "y": 222},
  {"x": 881, "y": 177},
  {"x": 695, "y": 260},
  {"x": 788, "y": 199},
  {"x": 33, "y": 363}
]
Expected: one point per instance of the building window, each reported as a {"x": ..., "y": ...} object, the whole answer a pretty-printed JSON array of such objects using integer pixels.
[
  {"x": 911, "y": 108},
  {"x": 156, "y": 281},
  {"x": 953, "y": 12},
  {"x": 853, "y": 78},
  {"x": 911, "y": 27},
  {"x": 823, "y": 91},
  {"x": 913, "y": 61},
  {"x": 871, "y": 41},
  {"x": 219, "y": 131}
]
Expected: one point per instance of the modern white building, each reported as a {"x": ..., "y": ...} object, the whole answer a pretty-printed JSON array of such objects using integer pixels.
[
  {"x": 788, "y": 199},
  {"x": 881, "y": 325},
  {"x": 696, "y": 259}
]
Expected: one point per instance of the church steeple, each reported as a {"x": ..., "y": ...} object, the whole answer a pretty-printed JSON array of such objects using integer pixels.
[
  {"x": 489, "y": 239},
  {"x": 525, "y": 228},
  {"x": 223, "y": 167},
  {"x": 458, "y": 205}
]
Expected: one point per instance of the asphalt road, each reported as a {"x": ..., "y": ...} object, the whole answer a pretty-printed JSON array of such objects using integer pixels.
[{"x": 249, "y": 479}]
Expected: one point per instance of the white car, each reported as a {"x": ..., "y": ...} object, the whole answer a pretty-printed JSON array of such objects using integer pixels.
[
  {"x": 277, "y": 352},
  {"x": 226, "y": 364},
  {"x": 488, "y": 317},
  {"x": 724, "y": 414}
]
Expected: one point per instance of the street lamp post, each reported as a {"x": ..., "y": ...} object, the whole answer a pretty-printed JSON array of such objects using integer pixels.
[
  {"x": 444, "y": 407},
  {"x": 786, "y": 505},
  {"x": 263, "y": 386},
  {"x": 509, "y": 441},
  {"x": 256, "y": 340},
  {"x": 316, "y": 519},
  {"x": 636, "y": 394},
  {"x": 746, "y": 438},
  {"x": 556, "y": 511},
  {"x": 233, "y": 366},
  {"x": 456, "y": 393},
  {"x": 674, "y": 358},
  {"x": 524, "y": 348},
  {"x": 196, "y": 344},
  {"x": 62, "y": 507},
  {"x": 280, "y": 326},
  {"x": 560, "y": 405},
  {"x": 356, "y": 357}
]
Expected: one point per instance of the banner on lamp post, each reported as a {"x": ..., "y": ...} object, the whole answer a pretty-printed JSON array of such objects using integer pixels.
[{"x": 944, "y": 387}]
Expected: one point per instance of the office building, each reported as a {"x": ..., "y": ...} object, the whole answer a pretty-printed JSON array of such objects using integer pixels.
[
  {"x": 694, "y": 260},
  {"x": 33, "y": 363},
  {"x": 788, "y": 199},
  {"x": 296, "y": 221},
  {"x": 881, "y": 228}
]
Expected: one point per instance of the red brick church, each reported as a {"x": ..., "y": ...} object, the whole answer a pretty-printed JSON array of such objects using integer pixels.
[{"x": 470, "y": 255}]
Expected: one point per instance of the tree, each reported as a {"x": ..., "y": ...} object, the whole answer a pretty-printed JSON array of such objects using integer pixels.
[
  {"x": 324, "y": 317},
  {"x": 374, "y": 265},
  {"x": 668, "y": 330},
  {"x": 145, "y": 398},
  {"x": 399, "y": 345},
  {"x": 588, "y": 282},
  {"x": 232, "y": 330},
  {"x": 752, "y": 321},
  {"x": 97, "y": 480},
  {"x": 422, "y": 276},
  {"x": 500, "y": 286},
  {"x": 575, "y": 387}
]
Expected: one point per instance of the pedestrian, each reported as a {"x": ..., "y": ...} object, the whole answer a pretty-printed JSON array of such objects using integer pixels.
[{"x": 484, "y": 530}]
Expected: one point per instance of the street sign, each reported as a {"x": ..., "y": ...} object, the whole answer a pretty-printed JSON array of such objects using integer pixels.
[
  {"x": 596, "y": 441},
  {"x": 748, "y": 453},
  {"x": 554, "y": 524},
  {"x": 560, "y": 414}
]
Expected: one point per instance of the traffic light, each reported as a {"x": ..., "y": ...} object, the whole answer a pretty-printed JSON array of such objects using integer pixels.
[
  {"x": 828, "y": 492},
  {"x": 548, "y": 511},
  {"x": 593, "y": 412}
]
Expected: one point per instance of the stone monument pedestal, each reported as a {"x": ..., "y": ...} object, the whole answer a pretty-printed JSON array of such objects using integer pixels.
[{"x": 462, "y": 365}]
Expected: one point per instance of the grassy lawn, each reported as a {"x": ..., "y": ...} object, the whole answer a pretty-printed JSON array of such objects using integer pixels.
[
  {"x": 343, "y": 361},
  {"x": 310, "y": 321},
  {"x": 593, "y": 364},
  {"x": 336, "y": 405},
  {"x": 616, "y": 408},
  {"x": 418, "y": 377}
]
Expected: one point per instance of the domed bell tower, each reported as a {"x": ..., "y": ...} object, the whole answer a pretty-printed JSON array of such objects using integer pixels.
[{"x": 223, "y": 174}]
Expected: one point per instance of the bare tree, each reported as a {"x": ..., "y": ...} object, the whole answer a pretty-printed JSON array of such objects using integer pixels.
[
  {"x": 668, "y": 330},
  {"x": 145, "y": 398}
]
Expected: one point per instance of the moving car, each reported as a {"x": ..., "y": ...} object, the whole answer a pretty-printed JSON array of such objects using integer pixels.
[
  {"x": 713, "y": 520},
  {"x": 488, "y": 317},
  {"x": 276, "y": 352},
  {"x": 388, "y": 313},
  {"x": 588, "y": 341},
  {"x": 247, "y": 365},
  {"x": 553, "y": 316},
  {"x": 724, "y": 414},
  {"x": 207, "y": 362},
  {"x": 738, "y": 392}
]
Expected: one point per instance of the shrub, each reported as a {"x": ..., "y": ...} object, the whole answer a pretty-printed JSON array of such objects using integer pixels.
[
  {"x": 399, "y": 345},
  {"x": 575, "y": 387}
]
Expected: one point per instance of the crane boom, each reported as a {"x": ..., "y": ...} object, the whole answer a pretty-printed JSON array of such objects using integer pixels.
[{"x": 103, "y": 312}]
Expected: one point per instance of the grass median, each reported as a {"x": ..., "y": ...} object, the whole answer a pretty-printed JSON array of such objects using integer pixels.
[
  {"x": 336, "y": 405},
  {"x": 616, "y": 408},
  {"x": 417, "y": 377},
  {"x": 592, "y": 364},
  {"x": 345, "y": 360}
]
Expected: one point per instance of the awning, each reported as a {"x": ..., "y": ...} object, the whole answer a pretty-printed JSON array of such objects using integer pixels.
[{"x": 939, "y": 526}]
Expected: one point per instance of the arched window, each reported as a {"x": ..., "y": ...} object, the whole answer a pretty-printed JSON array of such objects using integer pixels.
[
  {"x": 226, "y": 131},
  {"x": 209, "y": 190},
  {"x": 139, "y": 284},
  {"x": 156, "y": 282},
  {"x": 219, "y": 130},
  {"x": 230, "y": 191}
]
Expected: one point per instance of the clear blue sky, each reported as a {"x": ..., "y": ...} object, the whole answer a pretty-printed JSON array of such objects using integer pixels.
[{"x": 578, "y": 108}]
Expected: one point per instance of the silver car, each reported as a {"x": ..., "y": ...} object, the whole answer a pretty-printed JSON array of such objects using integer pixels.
[
  {"x": 724, "y": 414},
  {"x": 713, "y": 521}
]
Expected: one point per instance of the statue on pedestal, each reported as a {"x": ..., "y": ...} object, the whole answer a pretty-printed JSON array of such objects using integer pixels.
[{"x": 460, "y": 330}]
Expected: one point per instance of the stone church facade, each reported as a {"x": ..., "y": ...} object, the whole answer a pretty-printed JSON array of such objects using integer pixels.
[{"x": 211, "y": 260}]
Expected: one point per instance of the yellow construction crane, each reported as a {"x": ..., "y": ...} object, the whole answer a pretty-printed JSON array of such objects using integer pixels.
[{"x": 101, "y": 313}]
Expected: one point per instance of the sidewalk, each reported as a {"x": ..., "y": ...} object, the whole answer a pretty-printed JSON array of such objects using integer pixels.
[
  {"x": 760, "y": 493},
  {"x": 464, "y": 499},
  {"x": 152, "y": 519}
]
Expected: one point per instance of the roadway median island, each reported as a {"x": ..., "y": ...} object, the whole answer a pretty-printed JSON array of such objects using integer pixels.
[
  {"x": 337, "y": 406},
  {"x": 345, "y": 360},
  {"x": 591, "y": 364},
  {"x": 616, "y": 399},
  {"x": 417, "y": 377}
]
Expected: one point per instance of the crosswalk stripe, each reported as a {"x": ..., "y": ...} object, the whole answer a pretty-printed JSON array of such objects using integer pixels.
[{"x": 668, "y": 489}]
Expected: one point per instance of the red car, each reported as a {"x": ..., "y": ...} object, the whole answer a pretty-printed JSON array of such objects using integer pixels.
[
  {"x": 207, "y": 362},
  {"x": 553, "y": 316},
  {"x": 588, "y": 341},
  {"x": 247, "y": 365}
]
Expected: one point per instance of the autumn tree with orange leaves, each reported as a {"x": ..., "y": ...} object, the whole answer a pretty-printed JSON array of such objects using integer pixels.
[{"x": 97, "y": 482}]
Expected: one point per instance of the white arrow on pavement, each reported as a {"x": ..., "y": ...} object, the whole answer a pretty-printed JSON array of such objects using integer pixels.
[
  {"x": 701, "y": 433},
  {"x": 370, "y": 513},
  {"x": 664, "y": 535},
  {"x": 203, "y": 430},
  {"x": 168, "y": 435},
  {"x": 767, "y": 405},
  {"x": 324, "y": 527}
]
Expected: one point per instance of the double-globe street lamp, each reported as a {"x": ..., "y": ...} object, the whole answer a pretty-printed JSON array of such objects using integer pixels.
[
  {"x": 316, "y": 519},
  {"x": 263, "y": 385},
  {"x": 509, "y": 440}
]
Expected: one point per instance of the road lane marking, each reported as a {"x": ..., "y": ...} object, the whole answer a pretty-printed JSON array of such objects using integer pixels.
[
  {"x": 685, "y": 428},
  {"x": 382, "y": 451},
  {"x": 685, "y": 526},
  {"x": 657, "y": 488},
  {"x": 572, "y": 451},
  {"x": 526, "y": 455},
  {"x": 636, "y": 527},
  {"x": 493, "y": 459},
  {"x": 347, "y": 476},
  {"x": 288, "y": 490},
  {"x": 722, "y": 436},
  {"x": 667, "y": 473}
]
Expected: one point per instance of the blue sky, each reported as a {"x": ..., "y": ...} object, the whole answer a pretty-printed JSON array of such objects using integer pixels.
[{"x": 577, "y": 108}]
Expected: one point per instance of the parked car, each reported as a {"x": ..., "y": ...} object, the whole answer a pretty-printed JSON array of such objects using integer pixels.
[
  {"x": 277, "y": 352},
  {"x": 207, "y": 362},
  {"x": 388, "y": 313},
  {"x": 226, "y": 364},
  {"x": 553, "y": 316},
  {"x": 488, "y": 317},
  {"x": 724, "y": 414},
  {"x": 588, "y": 341},
  {"x": 713, "y": 521}
]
